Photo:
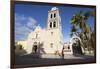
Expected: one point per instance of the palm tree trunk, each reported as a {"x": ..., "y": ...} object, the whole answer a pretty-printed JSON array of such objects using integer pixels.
[
  {"x": 83, "y": 24},
  {"x": 85, "y": 33}
]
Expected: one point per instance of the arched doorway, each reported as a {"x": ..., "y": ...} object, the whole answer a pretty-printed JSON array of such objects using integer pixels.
[
  {"x": 77, "y": 50},
  {"x": 34, "y": 49}
]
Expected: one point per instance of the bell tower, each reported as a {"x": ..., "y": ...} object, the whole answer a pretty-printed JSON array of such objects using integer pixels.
[
  {"x": 54, "y": 20},
  {"x": 54, "y": 32}
]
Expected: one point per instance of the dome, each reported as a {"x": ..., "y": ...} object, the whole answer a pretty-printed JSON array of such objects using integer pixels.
[
  {"x": 54, "y": 8},
  {"x": 38, "y": 28}
]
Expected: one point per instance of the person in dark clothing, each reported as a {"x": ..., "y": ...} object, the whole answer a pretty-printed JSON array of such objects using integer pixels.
[
  {"x": 35, "y": 49},
  {"x": 62, "y": 53}
]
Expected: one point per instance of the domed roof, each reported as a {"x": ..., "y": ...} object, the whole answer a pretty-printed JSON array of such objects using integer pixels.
[
  {"x": 38, "y": 28},
  {"x": 54, "y": 8}
]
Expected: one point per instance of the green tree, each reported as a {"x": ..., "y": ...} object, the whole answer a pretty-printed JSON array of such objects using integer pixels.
[
  {"x": 73, "y": 30},
  {"x": 79, "y": 21},
  {"x": 19, "y": 50}
]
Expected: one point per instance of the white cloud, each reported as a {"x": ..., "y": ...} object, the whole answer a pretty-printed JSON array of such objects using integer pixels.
[
  {"x": 19, "y": 17},
  {"x": 23, "y": 26},
  {"x": 31, "y": 23}
]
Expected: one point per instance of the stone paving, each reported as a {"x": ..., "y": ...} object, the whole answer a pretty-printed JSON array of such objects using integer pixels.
[
  {"x": 59, "y": 57},
  {"x": 51, "y": 60}
]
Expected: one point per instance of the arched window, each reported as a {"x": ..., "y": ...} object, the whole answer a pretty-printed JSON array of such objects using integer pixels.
[
  {"x": 50, "y": 24},
  {"x": 54, "y": 25},
  {"x": 54, "y": 15},
  {"x": 51, "y": 16}
]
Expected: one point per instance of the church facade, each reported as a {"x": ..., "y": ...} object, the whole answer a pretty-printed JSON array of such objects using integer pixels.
[{"x": 48, "y": 40}]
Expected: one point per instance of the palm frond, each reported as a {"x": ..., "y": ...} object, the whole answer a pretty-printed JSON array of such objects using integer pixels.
[{"x": 73, "y": 29}]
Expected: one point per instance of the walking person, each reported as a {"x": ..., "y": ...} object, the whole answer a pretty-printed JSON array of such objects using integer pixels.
[{"x": 62, "y": 53}]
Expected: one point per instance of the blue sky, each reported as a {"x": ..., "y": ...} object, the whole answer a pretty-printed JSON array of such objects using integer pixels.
[{"x": 28, "y": 16}]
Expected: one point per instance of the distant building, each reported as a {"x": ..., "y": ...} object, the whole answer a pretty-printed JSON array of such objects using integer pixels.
[{"x": 68, "y": 48}]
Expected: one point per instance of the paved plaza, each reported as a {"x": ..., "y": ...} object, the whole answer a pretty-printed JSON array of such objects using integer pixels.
[{"x": 51, "y": 60}]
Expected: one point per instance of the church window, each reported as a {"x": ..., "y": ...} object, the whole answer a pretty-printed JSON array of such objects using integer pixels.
[
  {"x": 54, "y": 24},
  {"x": 50, "y": 24},
  {"x": 54, "y": 15},
  {"x": 51, "y": 16},
  {"x": 36, "y": 35}
]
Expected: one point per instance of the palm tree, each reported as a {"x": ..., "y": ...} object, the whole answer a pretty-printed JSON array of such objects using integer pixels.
[
  {"x": 79, "y": 20},
  {"x": 91, "y": 33},
  {"x": 20, "y": 50},
  {"x": 73, "y": 30}
]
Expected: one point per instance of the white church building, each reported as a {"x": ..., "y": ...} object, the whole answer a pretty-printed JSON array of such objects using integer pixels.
[{"x": 48, "y": 40}]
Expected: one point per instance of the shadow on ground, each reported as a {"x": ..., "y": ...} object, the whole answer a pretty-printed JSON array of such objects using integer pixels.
[{"x": 36, "y": 61}]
